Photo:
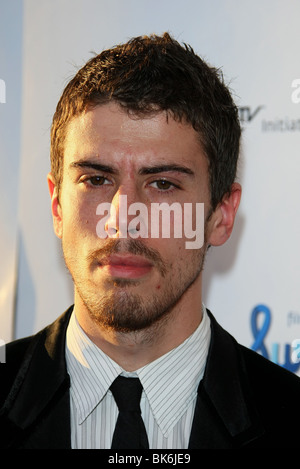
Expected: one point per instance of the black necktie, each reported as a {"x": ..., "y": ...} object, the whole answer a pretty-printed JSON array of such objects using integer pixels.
[{"x": 130, "y": 430}]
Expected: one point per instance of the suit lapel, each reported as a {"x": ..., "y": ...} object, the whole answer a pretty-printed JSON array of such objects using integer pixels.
[
  {"x": 40, "y": 417},
  {"x": 224, "y": 415}
]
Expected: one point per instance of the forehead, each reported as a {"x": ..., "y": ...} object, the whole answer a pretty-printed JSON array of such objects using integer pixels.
[{"x": 108, "y": 132}]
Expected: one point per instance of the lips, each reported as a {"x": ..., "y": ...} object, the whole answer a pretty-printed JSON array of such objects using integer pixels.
[{"x": 126, "y": 266}]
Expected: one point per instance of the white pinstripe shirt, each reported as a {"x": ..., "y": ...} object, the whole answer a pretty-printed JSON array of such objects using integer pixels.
[{"x": 168, "y": 400}]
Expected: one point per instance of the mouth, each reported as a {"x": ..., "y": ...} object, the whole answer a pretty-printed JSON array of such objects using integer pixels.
[{"x": 126, "y": 266}]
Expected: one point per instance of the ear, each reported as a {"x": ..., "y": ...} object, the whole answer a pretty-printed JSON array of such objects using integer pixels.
[
  {"x": 222, "y": 220},
  {"x": 55, "y": 206}
]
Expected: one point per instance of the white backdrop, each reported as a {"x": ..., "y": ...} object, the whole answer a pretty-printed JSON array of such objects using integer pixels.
[
  {"x": 11, "y": 19},
  {"x": 251, "y": 283}
]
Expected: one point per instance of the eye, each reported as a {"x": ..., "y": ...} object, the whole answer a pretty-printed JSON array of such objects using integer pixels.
[
  {"x": 96, "y": 180},
  {"x": 163, "y": 185}
]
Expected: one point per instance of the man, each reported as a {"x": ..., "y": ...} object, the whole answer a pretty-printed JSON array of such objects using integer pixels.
[{"x": 147, "y": 123}]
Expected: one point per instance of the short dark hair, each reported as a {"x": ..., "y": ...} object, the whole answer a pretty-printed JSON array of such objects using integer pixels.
[{"x": 150, "y": 74}]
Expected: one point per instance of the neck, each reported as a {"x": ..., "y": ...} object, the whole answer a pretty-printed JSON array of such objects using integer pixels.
[{"x": 133, "y": 350}]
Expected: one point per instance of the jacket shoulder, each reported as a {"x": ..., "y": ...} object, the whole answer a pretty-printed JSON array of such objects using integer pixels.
[
  {"x": 256, "y": 400},
  {"x": 275, "y": 392},
  {"x": 264, "y": 374},
  {"x": 18, "y": 354},
  {"x": 15, "y": 352}
]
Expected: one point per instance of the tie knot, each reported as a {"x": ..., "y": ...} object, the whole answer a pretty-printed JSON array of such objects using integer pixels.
[{"x": 127, "y": 393}]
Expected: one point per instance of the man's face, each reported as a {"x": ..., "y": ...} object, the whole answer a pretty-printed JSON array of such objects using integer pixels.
[{"x": 122, "y": 282}]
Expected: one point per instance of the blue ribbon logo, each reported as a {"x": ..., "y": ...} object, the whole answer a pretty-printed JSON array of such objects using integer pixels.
[{"x": 259, "y": 335}]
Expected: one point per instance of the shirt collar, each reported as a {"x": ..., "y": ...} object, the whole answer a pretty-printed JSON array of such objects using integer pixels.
[
  {"x": 170, "y": 383},
  {"x": 91, "y": 370}
]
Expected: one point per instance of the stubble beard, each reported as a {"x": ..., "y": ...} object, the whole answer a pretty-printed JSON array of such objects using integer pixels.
[{"x": 118, "y": 308}]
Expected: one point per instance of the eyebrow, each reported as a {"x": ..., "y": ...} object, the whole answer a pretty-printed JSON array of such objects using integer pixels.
[
  {"x": 165, "y": 168},
  {"x": 153, "y": 169},
  {"x": 90, "y": 164}
]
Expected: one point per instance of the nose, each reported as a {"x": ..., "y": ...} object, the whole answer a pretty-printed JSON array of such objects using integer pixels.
[{"x": 128, "y": 215}]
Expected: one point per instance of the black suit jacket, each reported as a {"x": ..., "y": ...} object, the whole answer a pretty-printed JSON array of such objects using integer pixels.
[{"x": 244, "y": 400}]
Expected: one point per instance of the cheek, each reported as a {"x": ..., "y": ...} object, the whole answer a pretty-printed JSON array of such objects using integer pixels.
[
  {"x": 172, "y": 251},
  {"x": 79, "y": 218}
]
